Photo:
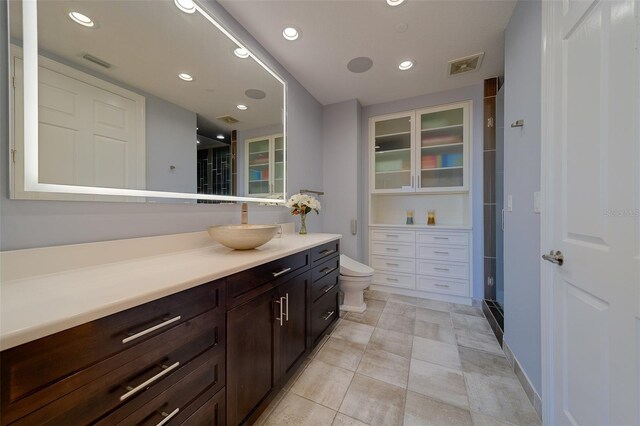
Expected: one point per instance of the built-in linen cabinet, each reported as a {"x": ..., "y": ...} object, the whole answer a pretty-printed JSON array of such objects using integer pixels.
[{"x": 264, "y": 165}]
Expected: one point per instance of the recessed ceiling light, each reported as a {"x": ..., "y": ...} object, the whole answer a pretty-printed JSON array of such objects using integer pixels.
[
  {"x": 241, "y": 52},
  {"x": 187, "y": 6},
  {"x": 395, "y": 2},
  {"x": 405, "y": 65},
  {"x": 186, "y": 77},
  {"x": 290, "y": 33},
  {"x": 81, "y": 19},
  {"x": 221, "y": 137},
  {"x": 242, "y": 107},
  {"x": 197, "y": 140}
]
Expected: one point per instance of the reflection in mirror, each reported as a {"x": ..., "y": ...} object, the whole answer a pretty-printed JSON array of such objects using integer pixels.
[{"x": 144, "y": 95}]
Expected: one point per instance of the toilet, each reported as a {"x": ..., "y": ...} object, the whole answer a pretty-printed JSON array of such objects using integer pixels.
[{"x": 354, "y": 278}]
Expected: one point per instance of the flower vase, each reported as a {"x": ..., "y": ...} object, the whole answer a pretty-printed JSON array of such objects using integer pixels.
[{"x": 303, "y": 224}]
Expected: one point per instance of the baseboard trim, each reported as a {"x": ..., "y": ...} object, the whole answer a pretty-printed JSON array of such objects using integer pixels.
[
  {"x": 533, "y": 396},
  {"x": 423, "y": 294}
]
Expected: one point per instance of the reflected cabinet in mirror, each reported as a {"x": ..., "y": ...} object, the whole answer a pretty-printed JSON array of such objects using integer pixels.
[{"x": 140, "y": 101}]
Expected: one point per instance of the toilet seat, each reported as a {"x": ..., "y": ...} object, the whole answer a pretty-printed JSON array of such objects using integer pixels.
[{"x": 351, "y": 268}]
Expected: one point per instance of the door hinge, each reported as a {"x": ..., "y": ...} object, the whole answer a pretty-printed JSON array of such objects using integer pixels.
[
  {"x": 13, "y": 156},
  {"x": 13, "y": 81},
  {"x": 490, "y": 122},
  {"x": 490, "y": 281}
]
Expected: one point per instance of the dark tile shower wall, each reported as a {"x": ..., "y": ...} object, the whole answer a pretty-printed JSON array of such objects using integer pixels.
[{"x": 214, "y": 172}]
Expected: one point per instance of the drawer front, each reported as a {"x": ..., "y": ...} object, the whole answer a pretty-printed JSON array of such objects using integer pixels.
[
  {"x": 390, "y": 235},
  {"x": 450, "y": 270},
  {"x": 326, "y": 268},
  {"x": 435, "y": 252},
  {"x": 158, "y": 365},
  {"x": 443, "y": 238},
  {"x": 394, "y": 280},
  {"x": 210, "y": 413},
  {"x": 392, "y": 249},
  {"x": 323, "y": 314},
  {"x": 246, "y": 285},
  {"x": 323, "y": 252},
  {"x": 443, "y": 285},
  {"x": 32, "y": 366},
  {"x": 325, "y": 284},
  {"x": 380, "y": 263},
  {"x": 178, "y": 402}
]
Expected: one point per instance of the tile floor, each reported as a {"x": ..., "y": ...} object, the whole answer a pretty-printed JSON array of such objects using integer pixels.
[{"x": 405, "y": 361}]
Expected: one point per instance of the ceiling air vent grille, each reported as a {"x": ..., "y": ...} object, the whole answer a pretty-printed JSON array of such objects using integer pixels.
[
  {"x": 97, "y": 61},
  {"x": 466, "y": 64},
  {"x": 228, "y": 119}
]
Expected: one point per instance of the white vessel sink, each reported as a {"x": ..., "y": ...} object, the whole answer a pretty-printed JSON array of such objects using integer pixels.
[{"x": 243, "y": 237}]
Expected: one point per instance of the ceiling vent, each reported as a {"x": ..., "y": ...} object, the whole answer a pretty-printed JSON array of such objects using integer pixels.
[
  {"x": 466, "y": 64},
  {"x": 97, "y": 61},
  {"x": 228, "y": 119}
]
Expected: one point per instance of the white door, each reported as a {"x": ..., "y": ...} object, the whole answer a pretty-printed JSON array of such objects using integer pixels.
[
  {"x": 591, "y": 152},
  {"x": 89, "y": 134}
]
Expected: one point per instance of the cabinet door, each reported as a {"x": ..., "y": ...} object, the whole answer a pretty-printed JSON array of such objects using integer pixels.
[
  {"x": 251, "y": 352},
  {"x": 392, "y": 153},
  {"x": 258, "y": 154},
  {"x": 294, "y": 341},
  {"x": 278, "y": 165},
  {"x": 442, "y": 160}
]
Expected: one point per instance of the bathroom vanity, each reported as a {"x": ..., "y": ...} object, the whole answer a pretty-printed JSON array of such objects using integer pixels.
[{"x": 227, "y": 332}]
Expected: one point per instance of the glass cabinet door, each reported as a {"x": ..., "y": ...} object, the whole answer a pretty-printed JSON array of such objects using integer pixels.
[
  {"x": 441, "y": 138},
  {"x": 393, "y": 154},
  {"x": 278, "y": 165},
  {"x": 258, "y": 167}
]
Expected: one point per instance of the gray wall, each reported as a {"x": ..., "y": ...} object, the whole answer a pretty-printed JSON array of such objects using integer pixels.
[
  {"x": 521, "y": 179},
  {"x": 474, "y": 93},
  {"x": 342, "y": 183},
  {"x": 26, "y": 224}
]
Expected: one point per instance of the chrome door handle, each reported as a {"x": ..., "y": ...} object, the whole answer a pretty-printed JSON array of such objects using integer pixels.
[
  {"x": 554, "y": 257},
  {"x": 132, "y": 391},
  {"x": 286, "y": 305}
]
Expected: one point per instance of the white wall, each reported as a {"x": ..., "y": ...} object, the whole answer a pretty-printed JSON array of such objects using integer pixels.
[
  {"x": 474, "y": 93},
  {"x": 341, "y": 181},
  {"x": 521, "y": 179},
  {"x": 26, "y": 224}
]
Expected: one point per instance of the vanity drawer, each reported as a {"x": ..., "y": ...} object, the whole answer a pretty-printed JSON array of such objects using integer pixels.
[
  {"x": 139, "y": 374},
  {"x": 320, "y": 253},
  {"x": 325, "y": 284},
  {"x": 179, "y": 402},
  {"x": 212, "y": 412},
  {"x": 393, "y": 264},
  {"x": 444, "y": 238},
  {"x": 450, "y": 270},
  {"x": 323, "y": 313},
  {"x": 54, "y": 361},
  {"x": 327, "y": 268},
  {"x": 392, "y": 249},
  {"x": 443, "y": 285},
  {"x": 392, "y": 235},
  {"x": 394, "y": 280},
  {"x": 246, "y": 285},
  {"x": 453, "y": 253}
]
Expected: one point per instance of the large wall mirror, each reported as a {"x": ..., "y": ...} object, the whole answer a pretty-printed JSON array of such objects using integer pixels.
[{"x": 140, "y": 101}]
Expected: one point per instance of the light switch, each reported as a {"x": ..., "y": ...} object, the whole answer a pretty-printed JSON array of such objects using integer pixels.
[
  {"x": 509, "y": 203},
  {"x": 536, "y": 202}
]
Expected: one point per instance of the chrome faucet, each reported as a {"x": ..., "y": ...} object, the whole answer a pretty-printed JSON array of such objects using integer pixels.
[{"x": 245, "y": 213}]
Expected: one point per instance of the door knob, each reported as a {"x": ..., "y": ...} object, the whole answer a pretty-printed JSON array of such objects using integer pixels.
[{"x": 554, "y": 257}]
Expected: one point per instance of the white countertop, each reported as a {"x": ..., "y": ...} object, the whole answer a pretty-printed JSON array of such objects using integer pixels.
[{"x": 32, "y": 307}]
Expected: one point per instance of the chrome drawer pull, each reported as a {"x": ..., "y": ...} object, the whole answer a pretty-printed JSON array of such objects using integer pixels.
[
  {"x": 393, "y": 280},
  {"x": 328, "y": 270},
  {"x": 392, "y": 264},
  {"x": 328, "y": 315},
  {"x": 328, "y": 289},
  {"x": 442, "y": 269},
  {"x": 146, "y": 383},
  {"x": 442, "y": 285},
  {"x": 440, "y": 238},
  {"x": 327, "y": 251},
  {"x": 277, "y": 274},
  {"x": 392, "y": 249},
  {"x": 168, "y": 417},
  {"x": 151, "y": 329},
  {"x": 441, "y": 252},
  {"x": 392, "y": 235}
]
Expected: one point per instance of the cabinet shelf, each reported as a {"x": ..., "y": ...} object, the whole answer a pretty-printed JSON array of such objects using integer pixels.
[
  {"x": 443, "y": 168},
  {"x": 391, "y": 151},
  {"x": 445, "y": 145},
  {"x": 431, "y": 129},
  {"x": 392, "y": 171},
  {"x": 388, "y": 135}
]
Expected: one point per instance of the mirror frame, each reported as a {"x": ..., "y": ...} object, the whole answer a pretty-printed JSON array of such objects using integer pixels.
[{"x": 31, "y": 182}]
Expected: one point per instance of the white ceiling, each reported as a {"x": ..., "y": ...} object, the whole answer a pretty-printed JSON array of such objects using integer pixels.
[{"x": 336, "y": 31}]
